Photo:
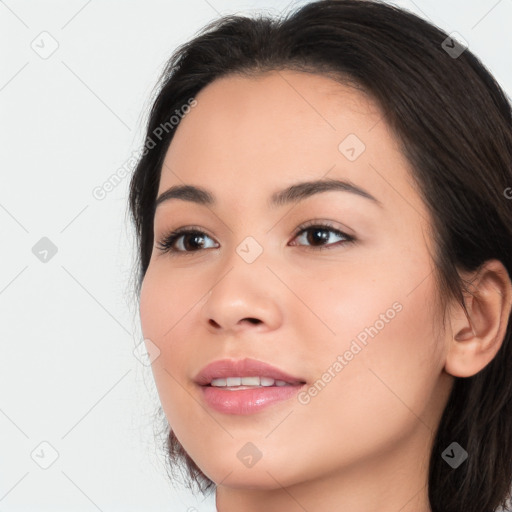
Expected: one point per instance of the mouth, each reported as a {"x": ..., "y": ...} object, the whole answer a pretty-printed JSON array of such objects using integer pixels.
[
  {"x": 245, "y": 386},
  {"x": 230, "y": 373},
  {"x": 234, "y": 383}
]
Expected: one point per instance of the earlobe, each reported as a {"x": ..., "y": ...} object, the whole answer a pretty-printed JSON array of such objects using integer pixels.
[{"x": 476, "y": 337}]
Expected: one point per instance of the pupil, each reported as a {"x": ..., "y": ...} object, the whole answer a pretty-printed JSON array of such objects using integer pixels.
[
  {"x": 324, "y": 236},
  {"x": 194, "y": 237}
]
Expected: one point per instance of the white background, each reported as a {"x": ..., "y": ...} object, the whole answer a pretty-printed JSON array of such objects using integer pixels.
[{"x": 68, "y": 375}]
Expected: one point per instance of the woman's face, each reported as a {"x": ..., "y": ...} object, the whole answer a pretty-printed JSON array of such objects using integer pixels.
[{"x": 351, "y": 316}]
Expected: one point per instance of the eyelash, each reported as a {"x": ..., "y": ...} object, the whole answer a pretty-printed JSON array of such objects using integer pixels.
[{"x": 165, "y": 245}]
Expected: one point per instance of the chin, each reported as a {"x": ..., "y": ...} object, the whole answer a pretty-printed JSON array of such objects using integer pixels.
[{"x": 249, "y": 479}]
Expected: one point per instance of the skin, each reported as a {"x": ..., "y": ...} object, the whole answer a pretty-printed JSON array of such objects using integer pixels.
[{"x": 363, "y": 442}]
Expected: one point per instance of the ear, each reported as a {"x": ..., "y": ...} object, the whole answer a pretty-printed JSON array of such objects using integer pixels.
[{"x": 476, "y": 338}]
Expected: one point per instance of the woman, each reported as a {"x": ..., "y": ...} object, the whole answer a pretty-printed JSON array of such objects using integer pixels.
[{"x": 324, "y": 260}]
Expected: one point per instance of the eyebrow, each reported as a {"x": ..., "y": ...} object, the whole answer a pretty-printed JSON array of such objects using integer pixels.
[{"x": 291, "y": 194}]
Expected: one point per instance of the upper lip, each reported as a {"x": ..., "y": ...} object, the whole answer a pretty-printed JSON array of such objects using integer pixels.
[{"x": 224, "y": 368}]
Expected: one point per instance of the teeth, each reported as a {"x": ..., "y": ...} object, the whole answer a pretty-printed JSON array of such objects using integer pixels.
[
  {"x": 247, "y": 381},
  {"x": 267, "y": 381}
]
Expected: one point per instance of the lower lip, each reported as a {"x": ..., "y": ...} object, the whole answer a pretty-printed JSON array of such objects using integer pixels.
[{"x": 246, "y": 401}]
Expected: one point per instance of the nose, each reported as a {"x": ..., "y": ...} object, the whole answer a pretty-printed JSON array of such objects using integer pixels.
[{"x": 241, "y": 300}]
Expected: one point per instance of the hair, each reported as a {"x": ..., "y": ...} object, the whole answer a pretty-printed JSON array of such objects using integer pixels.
[{"x": 453, "y": 123}]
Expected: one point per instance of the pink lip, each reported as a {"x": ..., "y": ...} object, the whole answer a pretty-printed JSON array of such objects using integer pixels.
[
  {"x": 242, "y": 368},
  {"x": 244, "y": 401}
]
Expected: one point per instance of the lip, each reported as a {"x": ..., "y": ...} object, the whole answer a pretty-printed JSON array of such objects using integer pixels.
[
  {"x": 224, "y": 368},
  {"x": 249, "y": 400}
]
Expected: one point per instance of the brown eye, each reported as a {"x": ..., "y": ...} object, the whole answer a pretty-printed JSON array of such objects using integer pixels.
[
  {"x": 188, "y": 240},
  {"x": 318, "y": 234},
  {"x": 191, "y": 240}
]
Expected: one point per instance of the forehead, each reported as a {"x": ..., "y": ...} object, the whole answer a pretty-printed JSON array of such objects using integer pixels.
[
  {"x": 260, "y": 133},
  {"x": 266, "y": 115}
]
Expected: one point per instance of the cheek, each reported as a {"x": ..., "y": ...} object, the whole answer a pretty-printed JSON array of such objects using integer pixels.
[
  {"x": 167, "y": 296},
  {"x": 386, "y": 361},
  {"x": 375, "y": 376},
  {"x": 167, "y": 302}
]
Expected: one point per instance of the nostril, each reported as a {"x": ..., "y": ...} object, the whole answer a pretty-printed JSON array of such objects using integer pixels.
[{"x": 253, "y": 320}]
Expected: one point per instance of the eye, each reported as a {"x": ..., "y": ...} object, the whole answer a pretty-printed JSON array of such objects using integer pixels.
[
  {"x": 194, "y": 236},
  {"x": 191, "y": 239},
  {"x": 321, "y": 232}
]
